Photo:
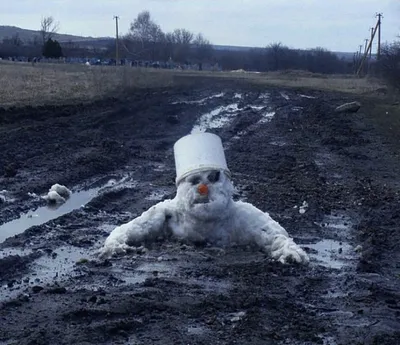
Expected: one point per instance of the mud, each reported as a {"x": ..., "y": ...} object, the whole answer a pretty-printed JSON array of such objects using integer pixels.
[{"x": 330, "y": 179}]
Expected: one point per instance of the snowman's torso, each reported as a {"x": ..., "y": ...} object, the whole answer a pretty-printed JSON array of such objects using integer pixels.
[{"x": 232, "y": 226}]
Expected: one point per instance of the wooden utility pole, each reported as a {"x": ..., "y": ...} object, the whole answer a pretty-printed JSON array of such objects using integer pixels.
[
  {"x": 116, "y": 40},
  {"x": 360, "y": 46},
  {"x": 380, "y": 16},
  {"x": 368, "y": 49},
  {"x": 372, "y": 37},
  {"x": 366, "y": 45}
]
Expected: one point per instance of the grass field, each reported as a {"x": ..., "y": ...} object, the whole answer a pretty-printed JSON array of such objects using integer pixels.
[{"x": 61, "y": 83}]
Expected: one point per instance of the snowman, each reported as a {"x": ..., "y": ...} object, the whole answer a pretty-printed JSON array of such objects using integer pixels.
[{"x": 203, "y": 210}]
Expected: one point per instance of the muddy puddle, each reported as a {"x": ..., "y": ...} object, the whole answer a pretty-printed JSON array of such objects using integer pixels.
[
  {"x": 55, "y": 267},
  {"x": 46, "y": 213},
  {"x": 76, "y": 201},
  {"x": 334, "y": 253}
]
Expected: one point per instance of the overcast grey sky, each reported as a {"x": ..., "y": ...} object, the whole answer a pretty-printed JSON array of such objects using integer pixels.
[{"x": 339, "y": 25}]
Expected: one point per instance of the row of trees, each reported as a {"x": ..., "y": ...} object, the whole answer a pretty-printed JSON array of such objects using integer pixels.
[
  {"x": 146, "y": 40},
  {"x": 389, "y": 64},
  {"x": 279, "y": 57}
]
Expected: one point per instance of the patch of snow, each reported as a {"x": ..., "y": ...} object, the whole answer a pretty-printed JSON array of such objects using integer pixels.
[
  {"x": 238, "y": 95},
  {"x": 303, "y": 208},
  {"x": 5, "y": 196},
  {"x": 257, "y": 107},
  {"x": 57, "y": 194},
  {"x": 267, "y": 117},
  {"x": 201, "y": 101},
  {"x": 306, "y": 96},
  {"x": 217, "y": 118},
  {"x": 264, "y": 96},
  {"x": 285, "y": 96}
]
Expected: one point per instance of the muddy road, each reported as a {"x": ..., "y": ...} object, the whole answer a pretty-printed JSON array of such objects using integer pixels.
[{"x": 330, "y": 179}]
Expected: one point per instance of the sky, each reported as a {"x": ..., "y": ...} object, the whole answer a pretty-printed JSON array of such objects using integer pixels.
[{"x": 338, "y": 25}]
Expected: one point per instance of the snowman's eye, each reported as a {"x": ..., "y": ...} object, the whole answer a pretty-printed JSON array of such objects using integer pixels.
[
  {"x": 194, "y": 180},
  {"x": 214, "y": 176}
]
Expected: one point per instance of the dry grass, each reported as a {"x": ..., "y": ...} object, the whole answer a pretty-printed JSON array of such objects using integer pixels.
[
  {"x": 302, "y": 80},
  {"x": 24, "y": 84}
]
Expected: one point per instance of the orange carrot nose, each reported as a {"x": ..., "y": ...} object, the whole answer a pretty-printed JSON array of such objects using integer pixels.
[{"x": 202, "y": 189}]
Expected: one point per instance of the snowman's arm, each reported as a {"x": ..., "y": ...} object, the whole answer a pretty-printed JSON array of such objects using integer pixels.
[
  {"x": 149, "y": 225},
  {"x": 260, "y": 229}
]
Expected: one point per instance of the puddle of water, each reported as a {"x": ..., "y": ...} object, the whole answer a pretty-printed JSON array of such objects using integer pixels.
[
  {"x": 47, "y": 269},
  {"x": 337, "y": 222},
  {"x": 75, "y": 201},
  {"x": 45, "y": 214},
  {"x": 214, "y": 119},
  {"x": 55, "y": 267},
  {"x": 331, "y": 253},
  {"x": 334, "y": 253}
]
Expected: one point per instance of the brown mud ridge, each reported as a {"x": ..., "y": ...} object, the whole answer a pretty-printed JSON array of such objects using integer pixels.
[{"x": 329, "y": 178}]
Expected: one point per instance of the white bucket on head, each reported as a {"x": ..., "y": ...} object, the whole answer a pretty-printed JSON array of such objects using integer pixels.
[{"x": 199, "y": 152}]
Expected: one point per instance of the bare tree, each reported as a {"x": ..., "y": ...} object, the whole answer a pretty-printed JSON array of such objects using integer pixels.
[
  {"x": 203, "y": 47},
  {"x": 48, "y": 27},
  {"x": 182, "y": 36},
  {"x": 145, "y": 30}
]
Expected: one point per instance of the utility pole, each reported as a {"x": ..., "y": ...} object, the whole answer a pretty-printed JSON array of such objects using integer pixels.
[
  {"x": 368, "y": 49},
  {"x": 366, "y": 45},
  {"x": 372, "y": 37},
  {"x": 116, "y": 40},
  {"x": 380, "y": 16},
  {"x": 360, "y": 46}
]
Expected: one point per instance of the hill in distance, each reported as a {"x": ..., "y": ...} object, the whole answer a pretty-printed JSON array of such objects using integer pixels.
[{"x": 27, "y": 35}]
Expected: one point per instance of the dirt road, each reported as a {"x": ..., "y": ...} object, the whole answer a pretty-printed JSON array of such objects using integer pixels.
[{"x": 330, "y": 179}]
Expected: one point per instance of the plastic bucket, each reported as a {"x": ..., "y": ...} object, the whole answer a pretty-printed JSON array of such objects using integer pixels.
[{"x": 199, "y": 152}]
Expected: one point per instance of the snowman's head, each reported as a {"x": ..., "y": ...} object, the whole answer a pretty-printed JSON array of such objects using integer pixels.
[{"x": 206, "y": 194}]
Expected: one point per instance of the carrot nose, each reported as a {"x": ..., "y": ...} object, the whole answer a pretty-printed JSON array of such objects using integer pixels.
[{"x": 202, "y": 189}]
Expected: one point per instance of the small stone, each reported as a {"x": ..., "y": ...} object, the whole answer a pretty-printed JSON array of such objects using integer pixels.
[{"x": 37, "y": 289}]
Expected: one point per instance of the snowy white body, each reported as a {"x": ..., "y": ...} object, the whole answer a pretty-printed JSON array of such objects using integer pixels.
[
  {"x": 214, "y": 218},
  {"x": 57, "y": 194}
]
